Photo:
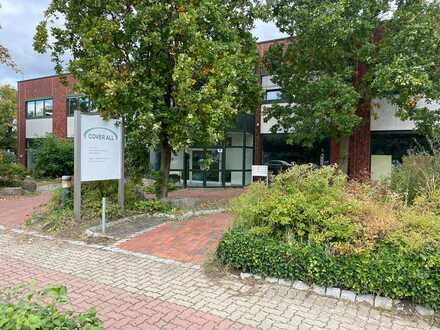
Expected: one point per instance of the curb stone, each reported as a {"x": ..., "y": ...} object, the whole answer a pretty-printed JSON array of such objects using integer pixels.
[
  {"x": 383, "y": 302},
  {"x": 299, "y": 285},
  {"x": 319, "y": 290},
  {"x": 333, "y": 293},
  {"x": 348, "y": 295},
  {"x": 271, "y": 280},
  {"x": 245, "y": 276},
  {"x": 342, "y": 294},
  {"x": 366, "y": 298},
  {"x": 284, "y": 282},
  {"x": 424, "y": 311}
]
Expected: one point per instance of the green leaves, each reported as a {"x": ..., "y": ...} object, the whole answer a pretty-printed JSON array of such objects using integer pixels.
[
  {"x": 28, "y": 308},
  {"x": 8, "y": 115},
  {"x": 398, "y": 48},
  {"x": 53, "y": 157},
  {"x": 175, "y": 70}
]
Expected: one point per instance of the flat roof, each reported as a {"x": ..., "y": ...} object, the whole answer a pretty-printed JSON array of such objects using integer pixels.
[
  {"x": 272, "y": 40},
  {"x": 43, "y": 77}
]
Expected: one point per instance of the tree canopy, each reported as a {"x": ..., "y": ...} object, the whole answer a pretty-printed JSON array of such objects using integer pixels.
[
  {"x": 8, "y": 117},
  {"x": 5, "y": 56},
  {"x": 176, "y": 71},
  {"x": 344, "y": 53}
]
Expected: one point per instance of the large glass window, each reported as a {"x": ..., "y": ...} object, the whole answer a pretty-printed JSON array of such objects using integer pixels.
[
  {"x": 276, "y": 147},
  {"x": 271, "y": 96},
  {"x": 81, "y": 103},
  {"x": 39, "y": 109},
  {"x": 397, "y": 144}
]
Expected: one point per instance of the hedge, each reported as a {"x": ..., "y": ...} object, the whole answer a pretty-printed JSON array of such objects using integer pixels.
[{"x": 385, "y": 270}]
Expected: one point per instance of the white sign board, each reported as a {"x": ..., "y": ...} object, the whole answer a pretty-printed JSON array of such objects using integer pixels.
[
  {"x": 260, "y": 171},
  {"x": 101, "y": 149}
]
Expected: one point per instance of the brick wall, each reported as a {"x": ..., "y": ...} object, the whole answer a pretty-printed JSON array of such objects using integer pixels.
[{"x": 47, "y": 87}]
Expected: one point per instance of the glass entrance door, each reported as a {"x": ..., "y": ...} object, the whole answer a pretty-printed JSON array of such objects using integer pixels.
[{"x": 205, "y": 167}]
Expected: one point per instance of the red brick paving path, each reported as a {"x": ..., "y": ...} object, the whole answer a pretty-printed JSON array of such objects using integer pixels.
[
  {"x": 187, "y": 241},
  {"x": 117, "y": 308},
  {"x": 15, "y": 211}
]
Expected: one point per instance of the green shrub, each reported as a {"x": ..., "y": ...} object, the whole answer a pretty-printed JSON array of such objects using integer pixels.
[
  {"x": 54, "y": 157},
  {"x": 58, "y": 217},
  {"x": 315, "y": 205},
  {"x": 151, "y": 206},
  {"x": 28, "y": 308},
  {"x": 384, "y": 270},
  {"x": 418, "y": 175},
  {"x": 10, "y": 173},
  {"x": 314, "y": 225}
]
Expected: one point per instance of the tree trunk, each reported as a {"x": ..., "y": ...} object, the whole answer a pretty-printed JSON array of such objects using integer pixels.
[
  {"x": 344, "y": 147},
  {"x": 165, "y": 162}
]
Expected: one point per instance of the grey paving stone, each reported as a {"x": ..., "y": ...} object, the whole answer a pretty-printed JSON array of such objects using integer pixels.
[
  {"x": 284, "y": 282},
  {"x": 318, "y": 290},
  {"x": 187, "y": 285},
  {"x": 245, "y": 276},
  {"x": 333, "y": 292},
  {"x": 300, "y": 285},
  {"x": 348, "y": 295},
  {"x": 271, "y": 280},
  {"x": 365, "y": 298},
  {"x": 383, "y": 302},
  {"x": 424, "y": 311}
]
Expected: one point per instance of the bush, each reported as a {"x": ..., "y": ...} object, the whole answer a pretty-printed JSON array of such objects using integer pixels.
[
  {"x": 28, "y": 308},
  {"x": 314, "y": 225},
  {"x": 54, "y": 157},
  {"x": 58, "y": 217},
  {"x": 384, "y": 270},
  {"x": 10, "y": 173},
  {"x": 417, "y": 176}
]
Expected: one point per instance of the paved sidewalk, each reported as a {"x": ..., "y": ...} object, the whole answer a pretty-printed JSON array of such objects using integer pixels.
[
  {"x": 15, "y": 211},
  {"x": 134, "y": 291},
  {"x": 188, "y": 241}
]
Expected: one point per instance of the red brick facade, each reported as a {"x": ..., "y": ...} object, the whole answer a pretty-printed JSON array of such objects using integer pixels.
[{"x": 47, "y": 87}]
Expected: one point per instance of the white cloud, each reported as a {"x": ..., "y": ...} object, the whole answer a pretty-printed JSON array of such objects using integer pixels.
[
  {"x": 267, "y": 31},
  {"x": 18, "y": 19}
]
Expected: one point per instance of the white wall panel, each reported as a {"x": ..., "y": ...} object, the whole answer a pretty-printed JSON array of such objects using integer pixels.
[
  {"x": 70, "y": 127},
  {"x": 383, "y": 118},
  {"x": 267, "y": 83},
  {"x": 38, "y": 128}
]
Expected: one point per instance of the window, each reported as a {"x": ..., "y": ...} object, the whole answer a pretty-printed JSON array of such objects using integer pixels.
[
  {"x": 81, "y": 103},
  {"x": 273, "y": 96},
  {"x": 39, "y": 109}
]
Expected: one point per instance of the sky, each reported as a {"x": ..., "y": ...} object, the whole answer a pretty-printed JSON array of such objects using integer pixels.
[{"x": 18, "y": 19}]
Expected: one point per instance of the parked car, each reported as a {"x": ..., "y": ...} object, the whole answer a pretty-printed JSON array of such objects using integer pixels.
[{"x": 278, "y": 166}]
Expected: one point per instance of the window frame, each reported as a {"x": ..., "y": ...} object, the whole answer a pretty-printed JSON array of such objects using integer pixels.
[
  {"x": 46, "y": 110},
  {"x": 78, "y": 98},
  {"x": 278, "y": 100}
]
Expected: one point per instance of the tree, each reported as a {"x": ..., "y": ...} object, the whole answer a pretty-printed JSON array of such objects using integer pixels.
[
  {"x": 5, "y": 57},
  {"x": 8, "y": 113},
  {"x": 176, "y": 71},
  {"x": 345, "y": 53}
]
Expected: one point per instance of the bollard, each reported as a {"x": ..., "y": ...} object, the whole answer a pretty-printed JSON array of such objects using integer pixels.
[
  {"x": 103, "y": 215},
  {"x": 66, "y": 185}
]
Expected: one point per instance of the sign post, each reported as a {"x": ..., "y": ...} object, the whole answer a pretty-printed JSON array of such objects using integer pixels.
[
  {"x": 77, "y": 168},
  {"x": 260, "y": 171},
  {"x": 121, "y": 182},
  {"x": 99, "y": 156}
]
